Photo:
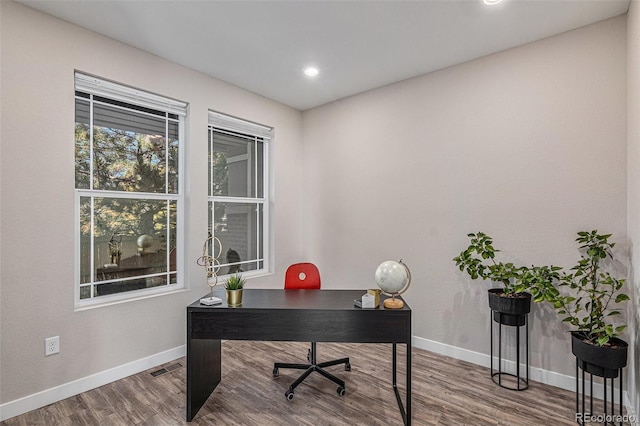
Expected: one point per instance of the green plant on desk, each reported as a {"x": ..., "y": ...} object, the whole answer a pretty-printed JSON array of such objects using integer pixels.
[{"x": 235, "y": 282}]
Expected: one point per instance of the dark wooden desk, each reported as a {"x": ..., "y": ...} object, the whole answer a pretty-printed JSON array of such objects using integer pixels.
[{"x": 288, "y": 315}]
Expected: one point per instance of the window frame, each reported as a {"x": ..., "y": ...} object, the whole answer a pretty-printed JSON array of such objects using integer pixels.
[
  {"x": 98, "y": 87},
  {"x": 234, "y": 126}
]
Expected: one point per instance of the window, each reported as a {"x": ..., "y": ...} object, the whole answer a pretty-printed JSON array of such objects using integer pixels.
[
  {"x": 128, "y": 191},
  {"x": 238, "y": 192}
]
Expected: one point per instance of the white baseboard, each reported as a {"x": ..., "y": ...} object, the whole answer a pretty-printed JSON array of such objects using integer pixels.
[
  {"x": 538, "y": 374},
  {"x": 58, "y": 393},
  {"x": 547, "y": 377}
]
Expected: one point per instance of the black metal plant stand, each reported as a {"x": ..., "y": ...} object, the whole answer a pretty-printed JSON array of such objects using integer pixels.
[
  {"x": 517, "y": 321},
  {"x": 589, "y": 417}
]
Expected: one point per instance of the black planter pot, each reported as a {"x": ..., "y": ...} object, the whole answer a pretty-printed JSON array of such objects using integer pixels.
[
  {"x": 509, "y": 310},
  {"x": 602, "y": 361}
]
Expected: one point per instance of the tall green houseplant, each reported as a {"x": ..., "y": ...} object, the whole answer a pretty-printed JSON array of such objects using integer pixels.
[{"x": 591, "y": 292}]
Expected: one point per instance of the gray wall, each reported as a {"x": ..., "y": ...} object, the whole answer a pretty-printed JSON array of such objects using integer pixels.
[
  {"x": 528, "y": 145},
  {"x": 39, "y": 54},
  {"x": 633, "y": 203}
]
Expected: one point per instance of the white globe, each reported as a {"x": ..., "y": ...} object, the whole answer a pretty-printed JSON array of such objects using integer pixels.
[
  {"x": 144, "y": 241},
  {"x": 391, "y": 276}
]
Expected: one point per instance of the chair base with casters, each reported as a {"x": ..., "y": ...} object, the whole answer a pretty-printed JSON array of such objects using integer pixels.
[{"x": 318, "y": 367}]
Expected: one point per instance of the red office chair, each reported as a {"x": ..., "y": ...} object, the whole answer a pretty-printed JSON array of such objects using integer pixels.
[{"x": 305, "y": 276}]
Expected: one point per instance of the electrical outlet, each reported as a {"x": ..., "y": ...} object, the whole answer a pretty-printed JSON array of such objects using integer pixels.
[{"x": 51, "y": 345}]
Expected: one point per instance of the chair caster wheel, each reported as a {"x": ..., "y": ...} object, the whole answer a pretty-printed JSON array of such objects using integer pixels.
[
  {"x": 275, "y": 372},
  {"x": 309, "y": 355},
  {"x": 341, "y": 391},
  {"x": 289, "y": 395},
  {"x": 347, "y": 367}
]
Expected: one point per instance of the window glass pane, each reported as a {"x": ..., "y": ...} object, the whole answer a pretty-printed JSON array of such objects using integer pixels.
[
  {"x": 237, "y": 226},
  {"x": 210, "y": 219},
  {"x": 260, "y": 167},
  {"x": 220, "y": 179},
  {"x": 173, "y": 234},
  {"x": 129, "y": 150},
  {"x": 210, "y": 163},
  {"x": 174, "y": 145},
  {"x": 130, "y": 237},
  {"x": 121, "y": 286},
  {"x": 85, "y": 292},
  {"x": 235, "y": 165},
  {"x": 261, "y": 233},
  {"x": 82, "y": 138},
  {"x": 85, "y": 240},
  {"x": 128, "y": 120}
]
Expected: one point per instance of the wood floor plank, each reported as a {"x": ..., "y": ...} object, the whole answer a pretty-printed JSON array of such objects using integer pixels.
[{"x": 445, "y": 391}]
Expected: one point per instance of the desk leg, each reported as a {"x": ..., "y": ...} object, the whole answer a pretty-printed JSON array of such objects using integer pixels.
[
  {"x": 204, "y": 371},
  {"x": 408, "y": 418},
  {"x": 406, "y": 415}
]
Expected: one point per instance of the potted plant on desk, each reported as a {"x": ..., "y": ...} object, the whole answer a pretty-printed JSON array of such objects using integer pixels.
[
  {"x": 234, "y": 286},
  {"x": 591, "y": 303},
  {"x": 520, "y": 284}
]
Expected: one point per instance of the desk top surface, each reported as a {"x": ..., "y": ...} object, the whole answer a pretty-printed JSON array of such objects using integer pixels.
[{"x": 294, "y": 299}]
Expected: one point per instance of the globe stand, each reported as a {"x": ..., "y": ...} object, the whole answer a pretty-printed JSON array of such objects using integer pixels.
[{"x": 393, "y": 303}]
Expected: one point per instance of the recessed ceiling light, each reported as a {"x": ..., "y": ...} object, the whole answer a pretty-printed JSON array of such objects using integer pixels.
[
  {"x": 311, "y": 71},
  {"x": 491, "y": 2}
]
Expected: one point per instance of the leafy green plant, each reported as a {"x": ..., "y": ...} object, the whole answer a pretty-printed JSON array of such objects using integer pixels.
[
  {"x": 479, "y": 261},
  {"x": 539, "y": 280},
  {"x": 235, "y": 282},
  {"x": 591, "y": 290}
]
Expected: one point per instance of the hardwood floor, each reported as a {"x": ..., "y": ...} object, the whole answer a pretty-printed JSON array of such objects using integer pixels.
[{"x": 445, "y": 391}]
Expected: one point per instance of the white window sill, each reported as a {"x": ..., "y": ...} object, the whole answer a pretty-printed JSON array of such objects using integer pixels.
[{"x": 126, "y": 297}]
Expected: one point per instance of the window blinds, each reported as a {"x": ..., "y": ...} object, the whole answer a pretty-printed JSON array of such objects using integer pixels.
[
  {"x": 99, "y": 87},
  {"x": 227, "y": 122}
]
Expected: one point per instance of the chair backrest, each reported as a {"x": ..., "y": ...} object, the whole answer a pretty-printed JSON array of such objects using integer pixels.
[{"x": 302, "y": 276}]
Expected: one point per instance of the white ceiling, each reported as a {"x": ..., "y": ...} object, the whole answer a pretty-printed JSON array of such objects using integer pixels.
[{"x": 263, "y": 46}]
